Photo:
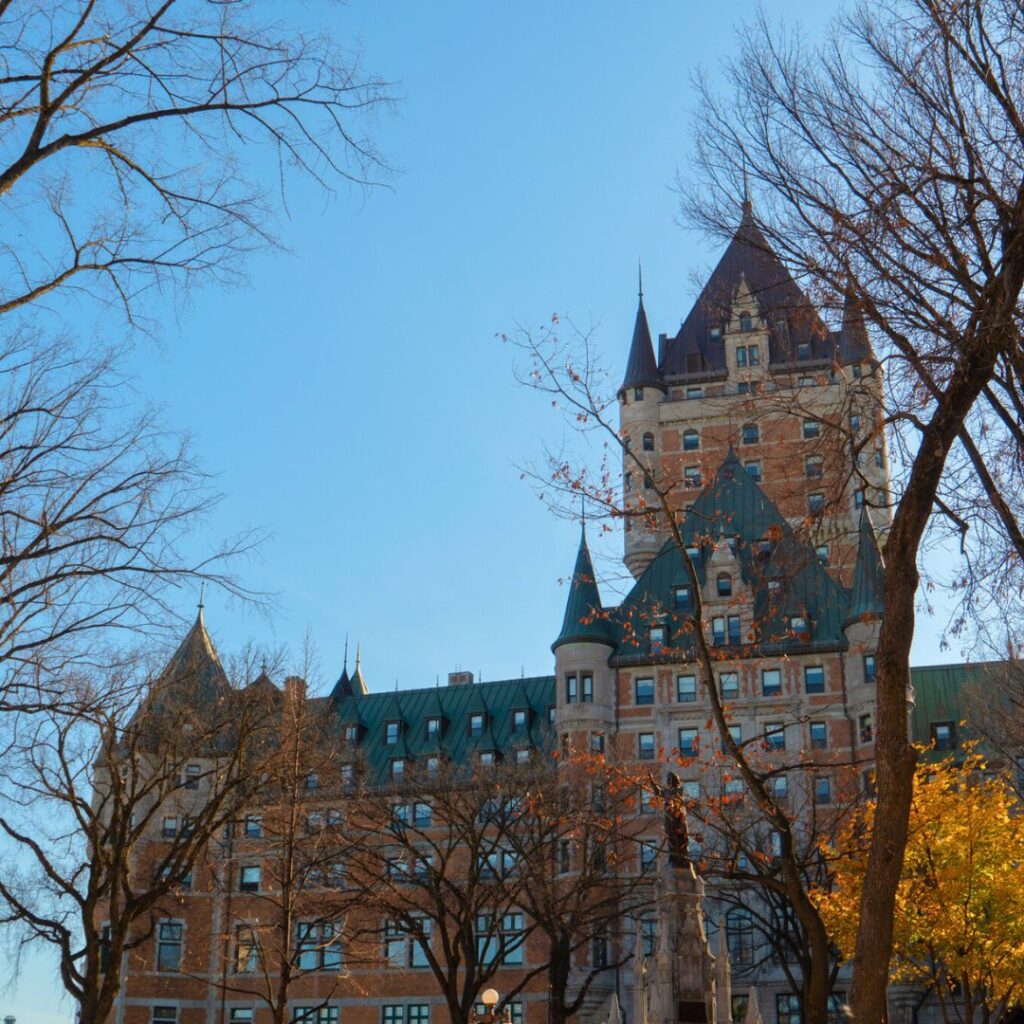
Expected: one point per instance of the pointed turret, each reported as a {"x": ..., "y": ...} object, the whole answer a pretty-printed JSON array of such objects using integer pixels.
[
  {"x": 584, "y": 620},
  {"x": 854, "y": 343},
  {"x": 641, "y": 367},
  {"x": 195, "y": 668},
  {"x": 343, "y": 687},
  {"x": 357, "y": 682},
  {"x": 867, "y": 597}
]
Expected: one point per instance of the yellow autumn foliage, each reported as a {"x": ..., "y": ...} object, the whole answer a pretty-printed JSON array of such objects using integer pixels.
[{"x": 960, "y": 905}]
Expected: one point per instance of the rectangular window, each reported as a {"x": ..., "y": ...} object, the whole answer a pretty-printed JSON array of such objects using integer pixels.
[
  {"x": 168, "y": 945},
  {"x": 397, "y": 769},
  {"x": 733, "y": 622},
  {"x": 648, "y": 934},
  {"x": 775, "y": 736},
  {"x": 104, "y": 943},
  {"x": 753, "y": 469},
  {"x": 419, "y": 1013},
  {"x": 418, "y": 948},
  {"x": 391, "y": 733},
  {"x": 192, "y": 773},
  {"x": 317, "y": 948},
  {"x": 246, "y": 950},
  {"x": 315, "y": 1015},
  {"x": 240, "y": 1015},
  {"x": 648, "y": 856},
  {"x": 736, "y": 732},
  {"x": 253, "y": 828},
  {"x": 476, "y": 725},
  {"x": 855, "y": 424},
  {"x": 433, "y": 764},
  {"x": 433, "y": 728},
  {"x": 780, "y": 787},
  {"x": 815, "y": 502},
  {"x": 249, "y": 878},
  {"x": 819, "y": 735},
  {"x": 750, "y": 433},
  {"x": 682, "y": 598},
  {"x": 718, "y": 630},
  {"x": 858, "y": 498},
  {"x": 944, "y": 735},
  {"x": 797, "y": 625},
  {"x": 814, "y": 679},
  {"x": 694, "y": 392},
  {"x": 822, "y": 550},
  {"x": 869, "y": 668},
  {"x": 656, "y": 638},
  {"x": 643, "y": 691},
  {"x": 771, "y": 682},
  {"x": 597, "y": 742},
  {"x": 164, "y": 1015},
  {"x": 803, "y": 351},
  {"x": 638, "y": 394},
  {"x": 823, "y": 790},
  {"x": 691, "y": 476},
  {"x": 688, "y": 742},
  {"x": 787, "y": 1008},
  {"x": 571, "y": 689},
  {"x": 686, "y": 689},
  {"x": 813, "y": 467},
  {"x": 729, "y": 685},
  {"x": 587, "y": 688},
  {"x": 645, "y": 746},
  {"x": 754, "y": 355},
  {"x": 691, "y": 789},
  {"x": 741, "y": 355},
  {"x": 865, "y": 730},
  {"x": 812, "y": 428},
  {"x": 169, "y": 829}
]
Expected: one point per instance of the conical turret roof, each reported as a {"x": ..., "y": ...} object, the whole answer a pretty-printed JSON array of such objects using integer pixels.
[
  {"x": 194, "y": 668},
  {"x": 357, "y": 683},
  {"x": 641, "y": 367},
  {"x": 867, "y": 600},
  {"x": 854, "y": 342},
  {"x": 584, "y": 620}
]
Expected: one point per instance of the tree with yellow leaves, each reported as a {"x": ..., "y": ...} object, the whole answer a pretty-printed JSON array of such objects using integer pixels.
[{"x": 959, "y": 918}]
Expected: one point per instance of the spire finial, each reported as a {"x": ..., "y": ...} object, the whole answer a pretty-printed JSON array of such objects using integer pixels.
[
  {"x": 583, "y": 512},
  {"x": 359, "y": 654},
  {"x": 747, "y": 207},
  {"x": 202, "y": 595},
  {"x": 346, "y": 653},
  {"x": 640, "y": 279}
]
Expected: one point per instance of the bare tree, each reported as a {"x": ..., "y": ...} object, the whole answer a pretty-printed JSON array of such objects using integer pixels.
[
  {"x": 95, "y": 500},
  {"x": 122, "y": 124},
  {"x": 887, "y": 168},
  {"x": 108, "y": 812}
]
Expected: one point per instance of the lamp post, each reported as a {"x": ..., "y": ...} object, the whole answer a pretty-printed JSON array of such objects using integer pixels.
[{"x": 490, "y": 1000}]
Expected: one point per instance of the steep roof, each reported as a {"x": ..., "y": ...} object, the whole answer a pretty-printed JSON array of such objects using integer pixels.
[
  {"x": 641, "y": 367},
  {"x": 357, "y": 683},
  {"x": 748, "y": 260},
  {"x": 194, "y": 671},
  {"x": 854, "y": 343},
  {"x": 867, "y": 600},
  {"x": 584, "y": 620}
]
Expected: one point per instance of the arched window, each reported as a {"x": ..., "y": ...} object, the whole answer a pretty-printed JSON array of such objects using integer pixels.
[
  {"x": 648, "y": 442},
  {"x": 691, "y": 440},
  {"x": 739, "y": 936},
  {"x": 746, "y": 324},
  {"x": 724, "y": 585},
  {"x": 751, "y": 435}
]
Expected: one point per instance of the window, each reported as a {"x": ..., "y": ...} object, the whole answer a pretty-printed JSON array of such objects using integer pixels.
[
  {"x": 433, "y": 728},
  {"x": 869, "y": 668},
  {"x": 854, "y": 424},
  {"x": 691, "y": 789},
  {"x": 819, "y": 735},
  {"x": 771, "y": 682},
  {"x": 815, "y": 503},
  {"x": 822, "y": 553},
  {"x": 733, "y": 622},
  {"x": 347, "y": 775},
  {"x": 812, "y": 428},
  {"x": 638, "y": 394},
  {"x": 627, "y": 480},
  {"x": 736, "y": 732},
  {"x": 814, "y": 679},
  {"x": 487, "y": 758},
  {"x": 648, "y": 482},
  {"x": 716, "y": 333},
  {"x": 391, "y": 733},
  {"x": 797, "y": 625},
  {"x": 693, "y": 553},
  {"x": 476, "y": 724},
  {"x": 597, "y": 742},
  {"x": 648, "y": 856},
  {"x": 688, "y": 742},
  {"x": 656, "y": 638},
  {"x": 507, "y": 945},
  {"x": 433, "y": 765},
  {"x": 865, "y": 729},
  {"x": 694, "y": 392},
  {"x": 312, "y": 781},
  {"x": 750, "y": 433},
  {"x": 803, "y": 351},
  {"x": 317, "y": 948},
  {"x": 648, "y": 442},
  {"x": 754, "y": 355},
  {"x": 648, "y": 934},
  {"x": 944, "y": 735},
  {"x": 691, "y": 440},
  {"x": 351, "y": 733},
  {"x": 397, "y": 769},
  {"x": 858, "y": 498},
  {"x": 686, "y": 689},
  {"x": 780, "y": 787},
  {"x": 522, "y": 755},
  {"x": 746, "y": 324},
  {"x": 691, "y": 476},
  {"x": 571, "y": 689},
  {"x": 729, "y": 685},
  {"x": 813, "y": 467},
  {"x": 315, "y": 1015},
  {"x": 104, "y": 943},
  {"x": 879, "y": 458},
  {"x": 643, "y": 691},
  {"x": 775, "y": 736},
  {"x": 249, "y": 878},
  {"x": 753, "y": 468},
  {"x": 718, "y": 630},
  {"x": 741, "y": 355},
  {"x": 240, "y": 1015},
  {"x": 724, "y": 585},
  {"x": 253, "y": 827},
  {"x": 164, "y": 1015},
  {"x": 823, "y": 790},
  {"x": 192, "y": 773},
  {"x": 519, "y": 720},
  {"x": 169, "y": 828},
  {"x": 645, "y": 746},
  {"x": 787, "y": 1008},
  {"x": 739, "y": 936},
  {"x": 599, "y": 951},
  {"x": 682, "y": 599},
  {"x": 739, "y": 1004},
  {"x": 168, "y": 945}
]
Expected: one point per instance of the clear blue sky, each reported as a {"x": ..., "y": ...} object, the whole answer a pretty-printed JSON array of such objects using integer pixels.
[{"x": 353, "y": 399}]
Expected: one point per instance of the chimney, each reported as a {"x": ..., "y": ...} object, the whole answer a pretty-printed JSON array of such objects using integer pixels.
[
  {"x": 295, "y": 687},
  {"x": 460, "y": 678}
]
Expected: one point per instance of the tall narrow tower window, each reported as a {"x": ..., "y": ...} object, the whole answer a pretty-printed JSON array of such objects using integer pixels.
[
  {"x": 746, "y": 324},
  {"x": 724, "y": 585},
  {"x": 648, "y": 442}
]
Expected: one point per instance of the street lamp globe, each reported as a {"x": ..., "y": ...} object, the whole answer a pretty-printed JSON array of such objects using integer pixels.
[{"x": 490, "y": 999}]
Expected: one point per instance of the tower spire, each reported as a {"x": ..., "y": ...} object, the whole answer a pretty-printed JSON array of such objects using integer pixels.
[
  {"x": 345, "y": 665},
  {"x": 640, "y": 279}
]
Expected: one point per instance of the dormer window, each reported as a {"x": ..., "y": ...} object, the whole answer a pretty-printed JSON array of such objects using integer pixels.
[
  {"x": 656, "y": 638},
  {"x": 350, "y": 733},
  {"x": 803, "y": 351},
  {"x": 520, "y": 719},
  {"x": 683, "y": 599},
  {"x": 397, "y": 769},
  {"x": 724, "y": 585},
  {"x": 486, "y": 758},
  {"x": 476, "y": 724},
  {"x": 391, "y": 732},
  {"x": 648, "y": 442},
  {"x": 797, "y": 624},
  {"x": 716, "y": 333},
  {"x": 691, "y": 440},
  {"x": 433, "y": 728},
  {"x": 746, "y": 323}
]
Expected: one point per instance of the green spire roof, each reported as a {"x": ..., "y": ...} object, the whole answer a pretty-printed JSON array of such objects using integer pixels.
[
  {"x": 867, "y": 599},
  {"x": 584, "y": 621}
]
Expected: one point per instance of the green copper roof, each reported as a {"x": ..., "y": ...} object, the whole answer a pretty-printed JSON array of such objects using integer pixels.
[
  {"x": 453, "y": 704},
  {"x": 867, "y": 600},
  {"x": 584, "y": 620}
]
